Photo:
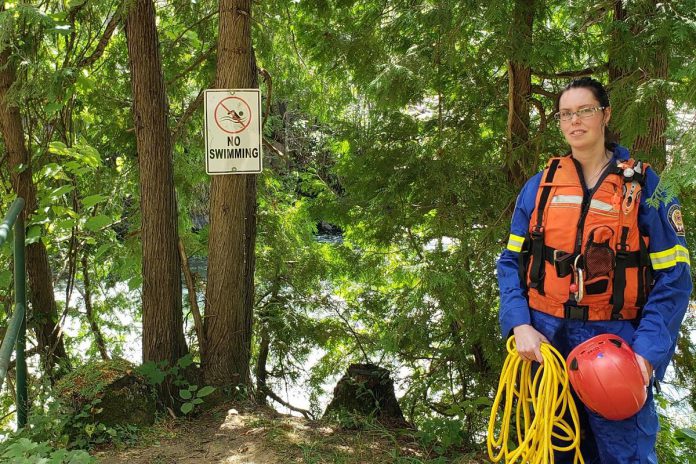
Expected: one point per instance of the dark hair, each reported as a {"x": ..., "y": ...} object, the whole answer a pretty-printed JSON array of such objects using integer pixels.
[{"x": 600, "y": 93}]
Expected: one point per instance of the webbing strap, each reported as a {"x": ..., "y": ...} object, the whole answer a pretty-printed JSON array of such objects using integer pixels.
[
  {"x": 644, "y": 273},
  {"x": 546, "y": 191},
  {"x": 633, "y": 258},
  {"x": 523, "y": 261},
  {"x": 536, "y": 273},
  {"x": 620, "y": 275}
]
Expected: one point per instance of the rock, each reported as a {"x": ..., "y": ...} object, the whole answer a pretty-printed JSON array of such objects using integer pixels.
[
  {"x": 366, "y": 390},
  {"x": 325, "y": 228},
  {"x": 122, "y": 395}
]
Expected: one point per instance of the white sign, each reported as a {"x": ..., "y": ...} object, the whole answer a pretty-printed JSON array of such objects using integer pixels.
[{"x": 232, "y": 131}]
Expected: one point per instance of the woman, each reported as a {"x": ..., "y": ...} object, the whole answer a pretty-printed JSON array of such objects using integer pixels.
[{"x": 586, "y": 256}]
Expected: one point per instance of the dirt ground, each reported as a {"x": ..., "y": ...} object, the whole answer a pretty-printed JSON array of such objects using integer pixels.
[
  {"x": 262, "y": 436},
  {"x": 221, "y": 436}
]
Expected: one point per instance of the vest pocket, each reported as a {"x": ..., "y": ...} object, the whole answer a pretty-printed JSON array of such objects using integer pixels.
[
  {"x": 598, "y": 257},
  {"x": 598, "y": 287}
]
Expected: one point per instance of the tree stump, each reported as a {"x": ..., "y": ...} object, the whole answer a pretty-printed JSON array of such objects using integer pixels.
[
  {"x": 112, "y": 392},
  {"x": 366, "y": 390}
]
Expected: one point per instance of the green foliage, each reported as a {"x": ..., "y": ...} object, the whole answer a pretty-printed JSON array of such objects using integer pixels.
[
  {"x": 389, "y": 121},
  {"x": 86, "y": 393},
  {"x": 675, "y": 444},
  {"x": 156, "y": 372},
  {"x": 193, "y": 397},
  {"x": 54, "y": 436},
  {"x": 86, "y": 432},
  {"x": 190, "y": 396},
  {"x": 442, "y": 434},
  {"x": 417, "y": 153},
  {"x": 351, "y": 420},
  {"x": 25, "y": 451}
]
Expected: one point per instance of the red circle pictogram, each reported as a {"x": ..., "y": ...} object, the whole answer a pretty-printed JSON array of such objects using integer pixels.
[{"x": 232, "y": 115}]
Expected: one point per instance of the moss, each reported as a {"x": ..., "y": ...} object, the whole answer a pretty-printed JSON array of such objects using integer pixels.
[
  {"x": 119, "y": 394},
  {"x": 89, "y": 381}
]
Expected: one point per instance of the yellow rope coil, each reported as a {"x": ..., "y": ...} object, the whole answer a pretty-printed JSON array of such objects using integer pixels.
[{"x": 540, "y": 402}]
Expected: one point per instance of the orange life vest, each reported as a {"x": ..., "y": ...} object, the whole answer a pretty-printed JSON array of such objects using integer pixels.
[{"x": 584, "y": 257}]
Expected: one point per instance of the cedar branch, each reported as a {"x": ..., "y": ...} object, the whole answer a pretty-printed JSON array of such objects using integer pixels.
[
  {"x": 203, "y": 56},
  {"x": 539, "y": 90},
  {"x": 193, "y": 106},
  {"x": 542, "y": 114},
  {"x": 103, "y": 41},
  {"x": 267, "y": 143},
  {"x": 269, "y": 92},
  {"x": 571, "y": 74},
  {"x": 307, "y": 414}
]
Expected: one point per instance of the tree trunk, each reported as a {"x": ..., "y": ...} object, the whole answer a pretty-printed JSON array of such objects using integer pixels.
[
  {"x": 617, "y": 64},
  {"x": 520, "y": 155},
  {"x": 616, "y": 69},
  {"x": 229, "y": 294},
  {"x": 43, "y": 318},
  {"x": 651, "y": 145},
  {"x": 163, "y": 336}
]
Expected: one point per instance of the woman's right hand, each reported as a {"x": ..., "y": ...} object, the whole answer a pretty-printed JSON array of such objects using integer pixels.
[{"x": 528, "y": 341}]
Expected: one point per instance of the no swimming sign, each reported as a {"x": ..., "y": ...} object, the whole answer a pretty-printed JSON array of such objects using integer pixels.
[{"x": 232, "y": 131}]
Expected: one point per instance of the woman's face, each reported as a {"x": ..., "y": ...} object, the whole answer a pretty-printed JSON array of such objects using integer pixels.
[{"x": 583, "y": 133}]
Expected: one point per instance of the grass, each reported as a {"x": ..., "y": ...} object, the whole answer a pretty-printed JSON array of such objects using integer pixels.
[{"x": 326, "y": 442}]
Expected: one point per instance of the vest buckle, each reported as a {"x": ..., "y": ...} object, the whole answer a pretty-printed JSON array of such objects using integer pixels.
[
  {"x": 575, "y": 312},
  {"x": 622, "y": 252},
  {"x": 537, "y": 233},
  {"x": 563, "y": 262}
]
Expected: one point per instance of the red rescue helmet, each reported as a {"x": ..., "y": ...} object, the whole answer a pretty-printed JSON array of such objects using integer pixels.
[{"x": 605, "y": 374}]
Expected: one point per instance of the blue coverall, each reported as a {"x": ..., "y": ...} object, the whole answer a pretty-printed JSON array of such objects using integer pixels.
[{"x": 653, "y": 336}]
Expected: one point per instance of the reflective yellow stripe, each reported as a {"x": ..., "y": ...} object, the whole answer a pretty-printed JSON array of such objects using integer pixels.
[
  {"x": 683, "y": 255},
  {"x": 515, "y": 243},
  {"x": 662, "y": 254},
  {"x": 670, "y": 257}
]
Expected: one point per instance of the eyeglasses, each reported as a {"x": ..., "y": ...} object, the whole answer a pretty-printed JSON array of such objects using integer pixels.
[{"x": 583, "y": 113}]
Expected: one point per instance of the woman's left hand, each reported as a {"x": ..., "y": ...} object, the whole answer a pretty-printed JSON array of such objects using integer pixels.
[{"x": 645, "y": 368}]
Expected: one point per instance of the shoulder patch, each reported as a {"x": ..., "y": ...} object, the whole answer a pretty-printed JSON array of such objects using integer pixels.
[{"x": 674, "y": 215}]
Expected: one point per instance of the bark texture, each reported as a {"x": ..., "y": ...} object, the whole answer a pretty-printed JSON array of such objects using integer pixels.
[
  {"x": 520, "y": 154},
  {"x": 229, "y": 293},
  {"x": 367, "y": 390},
  {"x": 651, "y": 145},
  {"x": 618, "y": 67},
  {"x": 163, "y": 336},
  {"x": 43, "y": 317}
]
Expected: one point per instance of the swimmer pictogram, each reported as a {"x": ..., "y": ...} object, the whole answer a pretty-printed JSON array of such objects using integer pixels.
[{"x": 232, "y": 115}]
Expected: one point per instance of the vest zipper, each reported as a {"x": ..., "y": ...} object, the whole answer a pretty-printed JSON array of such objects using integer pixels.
[{"x": 586, "y": 200}]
